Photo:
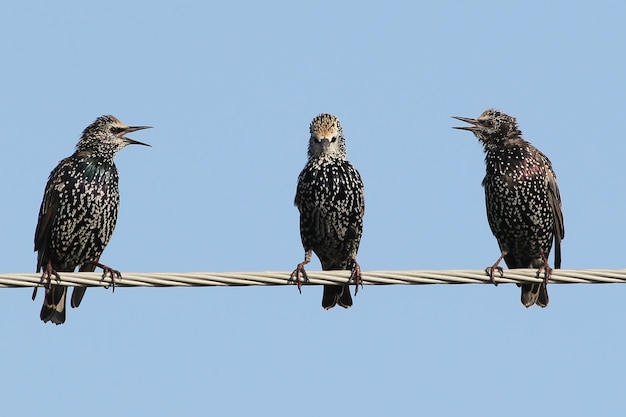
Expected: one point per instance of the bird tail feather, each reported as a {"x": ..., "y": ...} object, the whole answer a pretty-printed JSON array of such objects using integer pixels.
[
  {"x": 53, "y": 308},
  {"x": 535, "y": 293},
  {"x": 336, "y": 294},
  {"x": 79, "y": 292},
  {"x": 77, "y": 296}
]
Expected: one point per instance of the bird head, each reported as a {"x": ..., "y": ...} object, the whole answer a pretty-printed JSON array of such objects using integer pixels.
[
  {"x": 105, "y": 136},
  {"x": 492, "y": 127},
  {"x": 326, "y": 137}
]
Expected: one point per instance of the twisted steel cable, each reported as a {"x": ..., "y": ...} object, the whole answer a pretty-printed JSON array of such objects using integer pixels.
[{"x": 411, "y": 277}]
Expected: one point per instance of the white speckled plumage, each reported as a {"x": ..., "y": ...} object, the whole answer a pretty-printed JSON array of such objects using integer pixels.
[
  {"x": 79, "y": 210},
  {"x": 330, "y": 198},
  {"x": 522, "y": 199}
]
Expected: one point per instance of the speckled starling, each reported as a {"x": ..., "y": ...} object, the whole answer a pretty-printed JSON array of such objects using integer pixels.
[
  {"x": 522, "y": 198},
  {"x": 79, "y": 211},
  {"x": 331, "y": 202}
]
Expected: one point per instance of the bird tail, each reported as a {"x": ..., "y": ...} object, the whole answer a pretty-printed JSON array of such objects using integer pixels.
[
  {"x": 336, "y": 294},
  {"x": 79, "y": 292},
  {"x": 53, "y": 308},
  {"x": 77, "y": 296},
  {"x": 535, "y": 293}
]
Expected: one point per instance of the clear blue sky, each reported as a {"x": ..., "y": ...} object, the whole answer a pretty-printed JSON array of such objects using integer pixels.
[{"x": 230, "y": 89}]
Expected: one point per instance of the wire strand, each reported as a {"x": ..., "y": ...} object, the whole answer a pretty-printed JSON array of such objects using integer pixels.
[{"x": 210, "y": 279}]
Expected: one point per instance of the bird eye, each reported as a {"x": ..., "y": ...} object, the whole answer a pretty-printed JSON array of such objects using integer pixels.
[
  {"x": 116, "y": 129},
  {"x": 486, "y": 123}
]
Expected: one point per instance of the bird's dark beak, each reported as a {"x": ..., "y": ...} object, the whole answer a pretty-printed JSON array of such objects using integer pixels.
[
  {"x": 472, "y": 128},
  {"x": 134, "y": 129},
  {"x": 325, "y": 143}
]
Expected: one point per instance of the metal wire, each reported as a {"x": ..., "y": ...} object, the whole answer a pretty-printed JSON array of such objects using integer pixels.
[{"x": 208, "y": 279}]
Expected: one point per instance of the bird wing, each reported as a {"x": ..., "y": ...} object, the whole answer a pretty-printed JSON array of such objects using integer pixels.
[
  {"x": 48, "y": 210},
  {"x": 554, "y": 199},
  {"x": 559, "y": 227}
]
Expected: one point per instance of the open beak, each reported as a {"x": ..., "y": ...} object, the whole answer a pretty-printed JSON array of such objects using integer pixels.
[
  {"x": 134, "y": 129},
  {"x": 474, "y": 123}
]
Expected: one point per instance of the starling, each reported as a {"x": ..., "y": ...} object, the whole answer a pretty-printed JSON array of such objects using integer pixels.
[
  {"x": 331, "y": 202},
  {"x": 79, "y": 211},
  {"x": 522, "y": 198}
]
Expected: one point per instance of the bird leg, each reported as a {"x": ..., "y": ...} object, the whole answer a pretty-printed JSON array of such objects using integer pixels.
[
  {"x": 47, "y": 274},
  {"x": 296, "y": 274},
  {"x": 547, "y": 270},
  {"x": 113, "y": 273},
  {"x": 489, "y": 270},
  {"x": 300, "y": 270},
  {"x": 356, "y": 276}
]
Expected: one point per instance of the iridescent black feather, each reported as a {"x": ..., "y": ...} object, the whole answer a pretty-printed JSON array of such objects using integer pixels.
[
  {"x": 522, "y": 199},
  {"x": 79, "y": 210},
  {"x": 330, "y": 198}
]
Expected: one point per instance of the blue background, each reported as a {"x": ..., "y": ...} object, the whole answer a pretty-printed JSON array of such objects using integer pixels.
[{"x": 230, "y": 89}]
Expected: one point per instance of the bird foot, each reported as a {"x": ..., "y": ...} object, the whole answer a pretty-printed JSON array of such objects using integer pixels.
[
  {"x": 46, "y": 276},
  {"x": 356, "y": 277},
  {"x": 296, "y": 274},
  {"x": 546, "y": 269},
  {"x": 489, "y": 270},
  {"x": 547, "y": 272},
  {"x": 113, "y": 273}
]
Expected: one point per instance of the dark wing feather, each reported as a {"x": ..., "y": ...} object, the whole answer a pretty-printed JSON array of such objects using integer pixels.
[
  {"x": 554, "y": 199},
  {"x": 48, "y": 212},
  {"x": 79, "y": 292}
]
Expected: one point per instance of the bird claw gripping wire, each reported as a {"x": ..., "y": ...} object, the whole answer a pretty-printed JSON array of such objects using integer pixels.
[
  {"x": 355, "y": 276},
  {"x": 547, "y": 272},
  {"x": 46, "y": 276},
  {"x": 113, "y": 273},
  {"x": 296, "y": 274},
  {"x": 489, "y": 270},
  {"x": 546, "y": 269}
]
